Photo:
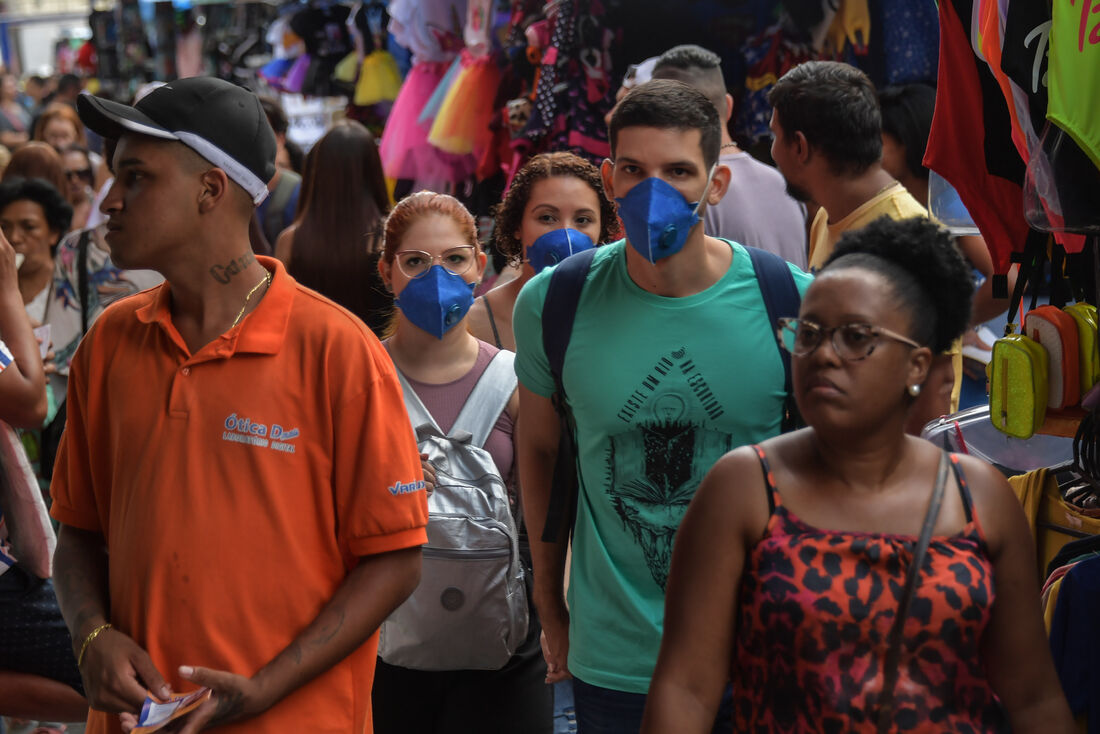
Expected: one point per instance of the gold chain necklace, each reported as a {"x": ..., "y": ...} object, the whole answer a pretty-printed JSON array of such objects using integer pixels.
[{"x": 265, "y": 281}]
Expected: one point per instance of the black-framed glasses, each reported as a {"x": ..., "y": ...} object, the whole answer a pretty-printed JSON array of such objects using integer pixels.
[
  {"x": 416, "y": 263},
  {"x": 81, "y": 174},
  {"x": 851, "y": 342}
]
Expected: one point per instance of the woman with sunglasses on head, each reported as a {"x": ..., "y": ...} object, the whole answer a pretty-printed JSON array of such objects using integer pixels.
[
  {"x": 431, "y": 262},
  {"x": 792, "y": 563},
  {"x": 555, "y": 207}
]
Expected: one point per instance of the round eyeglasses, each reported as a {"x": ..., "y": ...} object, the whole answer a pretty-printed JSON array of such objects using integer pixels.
[
  {"x": 851, "y": 342},
  {"x": 416, "y": 263}
]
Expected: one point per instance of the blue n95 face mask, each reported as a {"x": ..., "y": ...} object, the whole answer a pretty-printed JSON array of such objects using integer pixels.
[
  {"x": 556, "y": 245},
  {"x": 658, "y": 218},
  {"x": 436, "y": 301}
]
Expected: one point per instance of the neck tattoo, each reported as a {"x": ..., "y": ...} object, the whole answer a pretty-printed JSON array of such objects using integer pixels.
[{"x": 266, "y": 280}]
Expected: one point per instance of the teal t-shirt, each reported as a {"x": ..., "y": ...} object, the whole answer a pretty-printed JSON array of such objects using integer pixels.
[{"x": 660, "y": 388}]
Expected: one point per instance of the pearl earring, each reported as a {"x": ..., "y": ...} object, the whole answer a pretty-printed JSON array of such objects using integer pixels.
[{"x": 914, "y": 390}]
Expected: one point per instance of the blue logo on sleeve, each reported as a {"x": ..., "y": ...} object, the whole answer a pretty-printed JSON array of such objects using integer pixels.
[{"x": 407, "y": 487}]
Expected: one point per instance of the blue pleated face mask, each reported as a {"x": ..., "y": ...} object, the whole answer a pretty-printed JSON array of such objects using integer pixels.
[
  {"x": 658, "y": 218},
  {"x": 556, "y": 245},
  {"x": 436, "y": 301}
]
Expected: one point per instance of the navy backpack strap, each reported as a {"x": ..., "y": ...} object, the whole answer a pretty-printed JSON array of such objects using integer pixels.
[
  {"x": 562, "y": 297},
  {"x": 559, "y": 311},
  {"x": 782, "y": 300}
]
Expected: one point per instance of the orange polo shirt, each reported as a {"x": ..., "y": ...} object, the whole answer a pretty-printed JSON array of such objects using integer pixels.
[{"x": 236, "y": 487}]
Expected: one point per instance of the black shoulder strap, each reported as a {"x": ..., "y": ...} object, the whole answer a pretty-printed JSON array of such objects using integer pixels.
[
  {"x": 82, "y": 277},
  {"x": 559, "y": 311},
  {"x": 562, "y": 296},
  {"x": 492, "y": 322},
  {"x": 912, "y": 581},
  {"x": 782, "y": 300}
]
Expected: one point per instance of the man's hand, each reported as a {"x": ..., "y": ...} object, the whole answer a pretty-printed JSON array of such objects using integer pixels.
[
  {"x": 117, "y": 672},
  {"x": 554, "y": 617},
  {"x": 235, "y": 698}
]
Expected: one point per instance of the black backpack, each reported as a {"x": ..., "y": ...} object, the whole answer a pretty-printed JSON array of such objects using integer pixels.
[{"x": 781, "y": 299}]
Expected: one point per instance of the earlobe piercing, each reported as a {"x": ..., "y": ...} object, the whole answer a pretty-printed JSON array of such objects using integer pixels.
[{"x": 914, "y": 390}]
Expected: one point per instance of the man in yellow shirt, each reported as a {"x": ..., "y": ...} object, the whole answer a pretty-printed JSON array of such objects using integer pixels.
[{"x": 827, "y": 143}]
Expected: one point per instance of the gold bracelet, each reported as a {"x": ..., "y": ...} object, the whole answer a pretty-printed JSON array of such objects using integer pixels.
[{"x": 88, "y": 640}]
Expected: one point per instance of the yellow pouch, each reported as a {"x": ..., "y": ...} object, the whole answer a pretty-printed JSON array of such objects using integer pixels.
[
  {"x": 1018, "y": 385},
  {"x": 1084, "y": 314}
]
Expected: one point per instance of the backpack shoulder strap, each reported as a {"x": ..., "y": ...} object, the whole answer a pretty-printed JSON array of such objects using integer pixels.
[
  {"x": 418, "y": 414},
  {"x": 782, "y": 300},
  {"x": 559, "y": 311},
  {"x": 488, "y": 399}
]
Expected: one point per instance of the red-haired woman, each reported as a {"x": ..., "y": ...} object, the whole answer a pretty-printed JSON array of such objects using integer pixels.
[{"x": 431, "y": 261}]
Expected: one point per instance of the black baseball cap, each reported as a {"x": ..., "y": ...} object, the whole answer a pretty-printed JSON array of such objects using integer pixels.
[{"x": 220, "y": 121}]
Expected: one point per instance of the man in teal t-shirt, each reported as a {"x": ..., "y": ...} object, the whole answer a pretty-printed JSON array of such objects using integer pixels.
[{"x": 672, "y": 362}]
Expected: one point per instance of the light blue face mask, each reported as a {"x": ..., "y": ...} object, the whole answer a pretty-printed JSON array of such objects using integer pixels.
[
  {"x": 658, "y": 218},
  {"x": 436, "y": 301},
  {"x": 556, "y": 245}
]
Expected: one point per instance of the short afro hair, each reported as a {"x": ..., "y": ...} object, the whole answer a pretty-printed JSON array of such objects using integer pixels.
[
  {"x": 58, "y": 211},
  {"x": 509, "y": 213},
  {"x": 926, "y": 270}
]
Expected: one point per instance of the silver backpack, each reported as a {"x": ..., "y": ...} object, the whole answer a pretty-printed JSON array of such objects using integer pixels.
[{"x": 470, "y": 610}]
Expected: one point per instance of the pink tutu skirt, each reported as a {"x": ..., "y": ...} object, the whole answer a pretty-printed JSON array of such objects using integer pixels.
[{"x": 405, "y": 150}]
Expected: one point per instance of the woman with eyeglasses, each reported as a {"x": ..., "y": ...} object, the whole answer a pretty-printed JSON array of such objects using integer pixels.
[
  {"x": 431, "y": 261},
  {"x": 792, "y": 563}
]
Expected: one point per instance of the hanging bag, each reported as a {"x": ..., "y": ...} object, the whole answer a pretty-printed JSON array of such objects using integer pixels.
[
  {"x": 1056, "y": 331},
  {"x": 1084, "y": 316}
]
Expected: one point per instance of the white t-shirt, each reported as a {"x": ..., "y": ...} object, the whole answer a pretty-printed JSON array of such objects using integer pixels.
[{"x": 757, "y": 210}]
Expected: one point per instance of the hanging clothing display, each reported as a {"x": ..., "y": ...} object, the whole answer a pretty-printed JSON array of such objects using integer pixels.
[
  {"x": 970, "y": 142},
  {"x": 1075, "y": 73}
]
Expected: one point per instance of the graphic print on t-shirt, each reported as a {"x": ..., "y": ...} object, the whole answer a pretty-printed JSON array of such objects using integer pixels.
[{"x": 657, "y": 463}]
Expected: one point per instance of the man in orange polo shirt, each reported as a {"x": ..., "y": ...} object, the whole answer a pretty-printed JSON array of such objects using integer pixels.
[{"x": 240, "y": 493}]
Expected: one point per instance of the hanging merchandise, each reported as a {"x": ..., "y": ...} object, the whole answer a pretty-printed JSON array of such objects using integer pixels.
[
  {"x": 1075, "y": 73},
  {"x": 851, "y": 26},
  {"x": 572, "y": 88},
  {"x": 768, "y": 55},
  {"x": 431, "y": 107},
  {"x": 970, "y": 141},
  {"x": 1055, "y": 183},
  {"x": 379, "y": 77},
  {"x": 462, "y": 124},
  {"x": 296, "y": 75},
  {"x": 323, "y": 29},
  {"x": 910, "y": 39}
]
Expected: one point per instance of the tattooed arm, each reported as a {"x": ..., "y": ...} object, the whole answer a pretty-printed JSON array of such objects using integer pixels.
[
  {"x": 115, "y": 669},
  {"x": 369, "y": 593}
]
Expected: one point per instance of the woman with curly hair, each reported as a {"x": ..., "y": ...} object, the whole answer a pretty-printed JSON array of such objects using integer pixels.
[
  {"x": 849, "y": 577},
  {"x": 552, "y": 192}
]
